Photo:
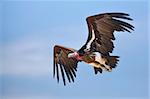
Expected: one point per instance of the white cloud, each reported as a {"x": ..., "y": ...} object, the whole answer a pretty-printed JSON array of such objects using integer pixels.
[{"x": 27, "y": 57}]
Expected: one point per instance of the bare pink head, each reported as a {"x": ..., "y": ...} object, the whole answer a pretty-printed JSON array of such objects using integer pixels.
[{"x": 74, "y": 55}]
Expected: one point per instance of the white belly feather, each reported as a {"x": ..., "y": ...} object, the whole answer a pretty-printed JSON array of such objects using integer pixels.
[
  {"x": 101, "y": 61},
  {"x": 99, "y": 58}
]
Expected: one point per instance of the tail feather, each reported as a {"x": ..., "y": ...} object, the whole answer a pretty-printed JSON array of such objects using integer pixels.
[
  {"x": 112, "y": 61},
  {"x": 109, "y": 62}
]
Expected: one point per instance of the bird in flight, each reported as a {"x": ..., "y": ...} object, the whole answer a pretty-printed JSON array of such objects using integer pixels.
[{"x": 96, "y": 51}]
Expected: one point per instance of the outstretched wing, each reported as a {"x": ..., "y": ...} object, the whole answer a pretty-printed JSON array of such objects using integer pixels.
[
  {"x": 101, "y": 31},
  {"x": 63, "y": 64}
]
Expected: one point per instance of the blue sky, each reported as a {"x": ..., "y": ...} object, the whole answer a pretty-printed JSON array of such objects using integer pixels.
[{"x": 29, "y": 30}]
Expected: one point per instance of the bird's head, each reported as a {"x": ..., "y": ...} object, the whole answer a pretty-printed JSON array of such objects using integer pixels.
[{"x": 73, "y": 55}]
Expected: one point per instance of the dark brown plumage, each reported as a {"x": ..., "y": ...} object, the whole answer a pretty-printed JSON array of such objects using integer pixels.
[{"x": 96, "y": 51}]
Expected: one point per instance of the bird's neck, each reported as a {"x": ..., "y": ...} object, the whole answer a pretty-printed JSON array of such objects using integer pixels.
[{"x": 79, "y": 58}]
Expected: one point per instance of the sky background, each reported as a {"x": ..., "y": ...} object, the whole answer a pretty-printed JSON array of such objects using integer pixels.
[{"x": 29, "y": 30}]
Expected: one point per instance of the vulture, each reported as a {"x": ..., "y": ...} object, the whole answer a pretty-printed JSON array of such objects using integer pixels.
[{"x": 97, "y": 49}]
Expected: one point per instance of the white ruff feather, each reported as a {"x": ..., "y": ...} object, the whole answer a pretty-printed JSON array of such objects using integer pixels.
[
  {"x": 101, "y": 60},
  {"x": 91, "y": 40}
]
